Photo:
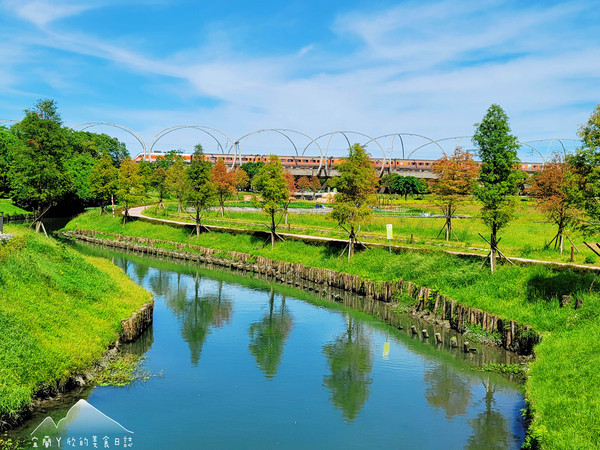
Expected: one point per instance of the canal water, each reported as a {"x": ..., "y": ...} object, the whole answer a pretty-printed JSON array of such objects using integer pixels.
[{"x": 243, "y": 363}]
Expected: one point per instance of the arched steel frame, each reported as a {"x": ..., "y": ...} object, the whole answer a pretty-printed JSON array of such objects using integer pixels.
[
  {"x": 551, "y": 141},
  {"x": 345, "y": 134},
  {"x": 8, "y": 120},
  {"x": 228, "y": 143},
  {"x": 283, "y": 132},
  {"x": 125, "y": 128}
]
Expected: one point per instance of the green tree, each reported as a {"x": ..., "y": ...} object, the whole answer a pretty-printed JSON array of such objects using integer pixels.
[
  {"x": 130, "y": 185},
  {"x": 176, "y": 181},
  {"x": 103, "y": 181},
  {"x": 146, "y": 171},
  {"x": 498, "y": 174},
  {"x": 270, "y": 182},
  {"x": 98, "y": 145},
  {"x": 200, "y": 191},
  {"x": 159, "y": 183},
  {"x": 251, "y": 169},
  {"x": 168, "y": 159},
  {"x": 586, "y": 163},
  {"x": 39, "y": 178},
  {"x": 355, "y": 185},
  {"x": 79, "y": 167},
  {"x": 389, "y": 181},
  {"x": 9, "y": 144}
]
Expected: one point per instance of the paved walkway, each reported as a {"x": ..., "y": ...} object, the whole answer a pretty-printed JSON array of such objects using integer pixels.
[{"x": 137, "y": 213}]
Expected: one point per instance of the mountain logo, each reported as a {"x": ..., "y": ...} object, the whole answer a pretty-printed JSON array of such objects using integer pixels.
[{"x": 83, "y": 424}]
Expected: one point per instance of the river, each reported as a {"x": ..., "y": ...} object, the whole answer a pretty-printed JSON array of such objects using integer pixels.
[{"x": 243, "y": 363}]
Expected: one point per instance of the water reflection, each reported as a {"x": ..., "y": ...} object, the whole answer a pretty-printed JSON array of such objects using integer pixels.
[
  {"x": 268, "y": 336},
  {"x": 198, "y": 313},
  {"x": 350, "y": 363},
  {"x": 448, "y": 390},
  {"x": 490, "y": 428}
]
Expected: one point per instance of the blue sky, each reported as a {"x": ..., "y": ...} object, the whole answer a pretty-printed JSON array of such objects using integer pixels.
[{"x": 377, "y": 67}]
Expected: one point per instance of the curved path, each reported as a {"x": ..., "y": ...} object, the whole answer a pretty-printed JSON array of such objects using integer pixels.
[{"x": 137, "y": 213}]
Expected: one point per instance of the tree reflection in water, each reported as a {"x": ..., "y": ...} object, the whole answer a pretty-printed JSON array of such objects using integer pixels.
[
  {"x": 446, "y": 389},
  {"x": 350, "y": 363},
  {"x": 267, "y": 337},
  {"x": 490, "y": 428},
  {"x": 197, "y": 313}
]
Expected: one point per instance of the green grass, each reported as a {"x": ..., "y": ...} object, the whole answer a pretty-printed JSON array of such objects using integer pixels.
[
  {"x": 563, "y": 380},
  {"x": 9, "y": 209},
  {"x": 58, "y": 313},
  {"x": 526, "y": 236}
]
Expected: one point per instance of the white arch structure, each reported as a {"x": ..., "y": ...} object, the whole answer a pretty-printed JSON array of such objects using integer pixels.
[{"x": 226, "y": 145}]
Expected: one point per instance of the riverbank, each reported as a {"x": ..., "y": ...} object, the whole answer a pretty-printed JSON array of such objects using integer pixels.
[
  {"x": 59, "y": 312},
  {"x": 528, "y": 295}
]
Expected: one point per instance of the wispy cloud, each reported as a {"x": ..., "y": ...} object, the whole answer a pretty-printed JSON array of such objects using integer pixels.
[{"x": 431, "y": 68}]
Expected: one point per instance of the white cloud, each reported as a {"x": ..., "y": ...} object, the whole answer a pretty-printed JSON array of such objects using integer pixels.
[{"x": 431, "y": 69}]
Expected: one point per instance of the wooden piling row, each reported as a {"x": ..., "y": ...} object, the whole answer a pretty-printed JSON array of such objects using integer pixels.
[{"x": 514, "y": 337}]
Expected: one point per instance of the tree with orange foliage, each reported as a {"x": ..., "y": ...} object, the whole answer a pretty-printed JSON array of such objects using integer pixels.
[
  {"x": 315, "y": 185},
  {"x": 303, "y": 185},
  {"x": 241, "y": 181},
  {"x": 224, "y": 182},
  {"x": 292, "y": 187},
  {"x": 456, "y": 180},
  {"x": 557, "y": 195}
]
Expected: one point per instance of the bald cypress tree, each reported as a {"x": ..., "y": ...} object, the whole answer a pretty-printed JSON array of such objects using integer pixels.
[{"x": 498, "y": 174}]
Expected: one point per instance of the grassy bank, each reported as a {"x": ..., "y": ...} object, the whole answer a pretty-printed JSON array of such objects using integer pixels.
[
  {"x": 526, "y": 236},
  {"x": 11, "y": 210},
  {"x": 58, "y": 313},
  {"x": 563, "y": 380}
]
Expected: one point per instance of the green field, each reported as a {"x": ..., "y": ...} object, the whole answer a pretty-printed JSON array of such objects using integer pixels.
[
  {"x": 59, "y": 311},
  {"x": 526, "y": 236}
]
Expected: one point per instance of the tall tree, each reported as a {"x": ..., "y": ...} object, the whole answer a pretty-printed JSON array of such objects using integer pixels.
[
  {"x": 130, "y": 186},
  {"x": 270, "y": 182},
  {"x": 103, "y": 181},
  {"x": 456, "y": 180},
  {"x": 498, "y": 175},
  {"x": 355, "y": 185},
  {"x": 200, "y": 191},
  {"x": 176, "y": 181},
  {"x": 224, "y": 182},
  {"x": 39, "y": 179},
  {"x": 558, "y": 195},
  {"x": 241, "y": 181},
  {"x": 587, "y": 164},
  {"x": 159, "y": 182}
]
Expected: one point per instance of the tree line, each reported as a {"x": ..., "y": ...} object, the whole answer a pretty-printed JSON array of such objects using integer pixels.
[{"x": 44, "y": 164}]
